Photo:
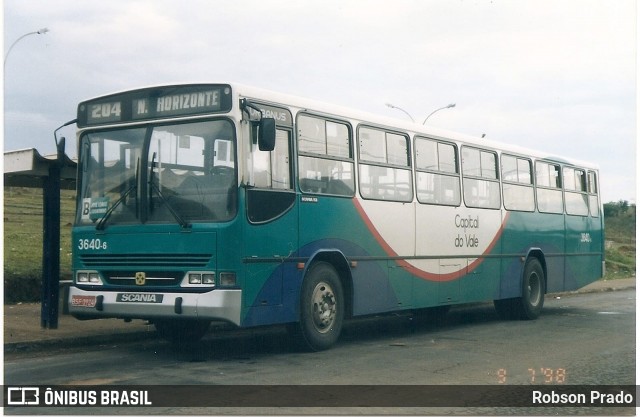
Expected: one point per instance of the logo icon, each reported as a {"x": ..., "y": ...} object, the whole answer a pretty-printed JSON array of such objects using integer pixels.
[
  {"x": 23, "y": 396},
  {"x": 140, "y": 278}
]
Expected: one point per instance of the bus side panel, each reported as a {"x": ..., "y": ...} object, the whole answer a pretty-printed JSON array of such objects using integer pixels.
[
  {"x": 584, "y": 251},
  {"x": 332, "y": 223},
  {"x": 284, "y": 281},
  {"x": 456, "y": 231},
  {"x": 524, "y": 232},
  {"x": 397, "y": 235},
  {"x": 370, "y": 278},
  {"x": 436, "y": 235},
  {"x": 483, "y": 274}
]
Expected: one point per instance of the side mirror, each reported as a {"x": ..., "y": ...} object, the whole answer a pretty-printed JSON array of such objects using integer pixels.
[{"x": 267, "y": 134}]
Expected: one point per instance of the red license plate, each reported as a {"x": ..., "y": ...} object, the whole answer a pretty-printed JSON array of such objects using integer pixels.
[{"x": 83, "y": 300}]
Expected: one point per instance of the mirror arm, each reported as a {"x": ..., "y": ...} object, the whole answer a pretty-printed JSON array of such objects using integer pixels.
[{"x": 245, "y": 104}]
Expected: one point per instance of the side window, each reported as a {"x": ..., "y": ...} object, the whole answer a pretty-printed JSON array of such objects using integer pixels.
[
  {"x": 480, "y": 178},
  {"x": 575, "y": 186},
  {"x": 437, "y": 178},
  {"x": 273, "y": 169},
  {"x": 270, "y": 174},
  {"x": 517, "y": 183},
  {"x": 548, "y": 191},
  {"x": 325, "y": 159},
  {"x": 384, "y": 168},
  {"x": 592, "y": 189}
]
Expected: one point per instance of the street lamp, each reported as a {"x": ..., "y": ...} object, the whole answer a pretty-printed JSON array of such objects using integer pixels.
[
  {"x": 402, "y": 110},
  {"x": 441, "y": 108},
  {"x": 37, "y": 32}
]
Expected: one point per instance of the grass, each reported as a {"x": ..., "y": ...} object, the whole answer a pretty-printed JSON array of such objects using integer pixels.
[
  {"x": 23, "y": 226},
  {"x": 620, "y": 245},
  {"x": 23, "y": 242}
]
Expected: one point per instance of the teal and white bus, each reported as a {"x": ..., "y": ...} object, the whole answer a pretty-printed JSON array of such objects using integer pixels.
[{"x": 222, "y": 202}]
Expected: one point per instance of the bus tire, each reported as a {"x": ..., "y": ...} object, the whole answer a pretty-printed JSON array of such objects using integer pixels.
[
  {"x": 182, "y": 332},
  {"x": 529, "y": 306},
  {"x": 321, "y": 308},
  {"x": 533, "y": 290}
]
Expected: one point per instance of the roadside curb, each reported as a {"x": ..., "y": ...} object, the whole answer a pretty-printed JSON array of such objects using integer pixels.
[
  {"x": 607, "y": 289},
  {"x": 605, "y": 286}
]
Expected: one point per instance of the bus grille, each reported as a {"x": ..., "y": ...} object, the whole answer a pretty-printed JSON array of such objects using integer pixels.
[
  {"x": 152, "y": 279},
  {"x": 164, "y": 260}
]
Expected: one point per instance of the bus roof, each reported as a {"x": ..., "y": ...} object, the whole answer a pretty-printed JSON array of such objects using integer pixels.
[
  {"x": 398, "y": 124},
  {"x": 361, "y": 117}
]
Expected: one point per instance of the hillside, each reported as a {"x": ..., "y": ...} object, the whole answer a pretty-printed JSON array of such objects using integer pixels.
[{"x": 23, "y": 241}]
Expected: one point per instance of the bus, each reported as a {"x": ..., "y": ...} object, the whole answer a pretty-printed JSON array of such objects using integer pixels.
[{"x": 200, "y": 203}]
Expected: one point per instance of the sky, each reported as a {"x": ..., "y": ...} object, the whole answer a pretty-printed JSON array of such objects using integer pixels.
[{"x": 553, "y": 75}]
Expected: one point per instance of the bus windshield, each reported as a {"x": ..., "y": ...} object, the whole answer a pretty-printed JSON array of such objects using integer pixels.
[{"x": 159, "y": 174}]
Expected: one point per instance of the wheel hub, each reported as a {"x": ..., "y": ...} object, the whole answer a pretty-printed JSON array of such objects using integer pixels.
[
  {"x": 533, "y": 288},
  {"x": 324, "y": 307}
]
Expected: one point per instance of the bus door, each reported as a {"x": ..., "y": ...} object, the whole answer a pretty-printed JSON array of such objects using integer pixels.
[
  {"x": 271, "y": 234},
  {"x": 579, "y": 242}
]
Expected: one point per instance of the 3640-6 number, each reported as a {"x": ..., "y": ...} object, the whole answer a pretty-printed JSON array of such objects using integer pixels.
[{"x": 84, "y": 244}]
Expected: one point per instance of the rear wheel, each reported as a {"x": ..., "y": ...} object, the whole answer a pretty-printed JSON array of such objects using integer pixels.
[
  {"x": 529, "y": 306},
  {"x": 321, "y": 308},
  {"x": 533, "y": 289}
]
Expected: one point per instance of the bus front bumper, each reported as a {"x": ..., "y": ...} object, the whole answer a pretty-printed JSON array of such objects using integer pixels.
[{"x": 213, "y": 305}]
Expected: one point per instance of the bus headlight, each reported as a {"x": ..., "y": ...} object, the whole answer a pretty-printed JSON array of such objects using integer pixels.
[
  {"x": 195, "y": 278},
  {"x": 199, "y": 279},
  {"x": 88, "y": 277},
  {"x": 209, "y": 279}
]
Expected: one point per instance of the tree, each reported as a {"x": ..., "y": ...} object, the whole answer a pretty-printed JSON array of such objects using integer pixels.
[{"x": 611, "y": 209}]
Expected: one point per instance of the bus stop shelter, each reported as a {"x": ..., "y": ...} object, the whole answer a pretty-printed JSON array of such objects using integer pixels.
[{"x": 28, "y": 168}]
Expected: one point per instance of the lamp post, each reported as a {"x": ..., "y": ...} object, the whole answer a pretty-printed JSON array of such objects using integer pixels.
[
  {"x": 441, "y": 108},
  {"x": 37, "y": 32},
  {"x": 402, "y": 110}
]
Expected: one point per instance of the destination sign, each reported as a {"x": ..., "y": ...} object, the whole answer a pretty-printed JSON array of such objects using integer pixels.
[
  {"x": 175, "y": 104},
  {"x": 152, "y": 103}
]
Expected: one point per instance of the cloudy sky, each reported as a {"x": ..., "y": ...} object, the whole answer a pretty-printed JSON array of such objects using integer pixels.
[{"x": 554, "y": 75}]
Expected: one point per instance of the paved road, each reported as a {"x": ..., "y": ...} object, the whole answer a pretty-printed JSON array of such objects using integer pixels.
[{"x": 579, "y": 339}]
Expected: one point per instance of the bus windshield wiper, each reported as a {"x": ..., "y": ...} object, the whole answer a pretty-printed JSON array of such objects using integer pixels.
[
  {"x": 153, "y": 187},
  {"x": 175, "y": 214},
  {"x": 105, "y": 216}
]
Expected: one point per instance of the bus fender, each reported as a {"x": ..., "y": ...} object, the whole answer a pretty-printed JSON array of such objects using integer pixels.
[{"x": 339, "y": 261}]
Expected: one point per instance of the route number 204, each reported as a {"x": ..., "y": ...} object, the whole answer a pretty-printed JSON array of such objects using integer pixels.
[{"x": 85, "y": 244}]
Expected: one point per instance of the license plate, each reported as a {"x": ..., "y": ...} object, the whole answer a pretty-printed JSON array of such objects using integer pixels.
[
  {"x": 138, "y": 298},
  {"x": 83, "y": 301}
]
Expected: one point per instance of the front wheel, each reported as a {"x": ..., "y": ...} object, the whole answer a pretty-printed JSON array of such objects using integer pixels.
[{"x": 321, "y": 308}]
